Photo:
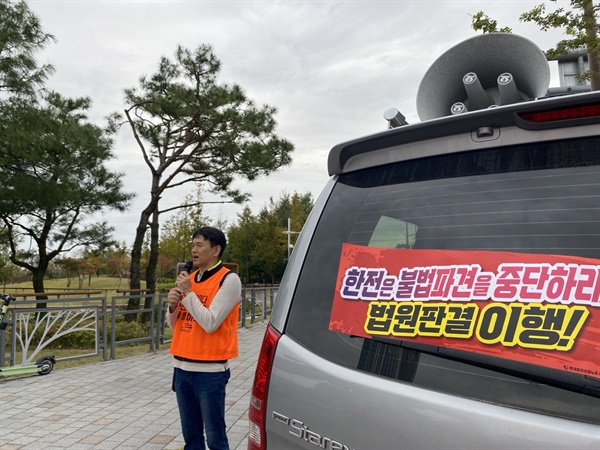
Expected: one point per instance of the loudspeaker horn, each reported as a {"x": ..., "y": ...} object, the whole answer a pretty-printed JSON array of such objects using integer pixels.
[{"x": 487, "y": 70}]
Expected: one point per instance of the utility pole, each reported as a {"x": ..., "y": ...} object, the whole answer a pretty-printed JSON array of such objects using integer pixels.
[{"x": 289, "y": 232}]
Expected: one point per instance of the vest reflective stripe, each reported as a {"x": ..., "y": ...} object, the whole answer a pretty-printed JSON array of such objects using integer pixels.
[{"x": 191, "y": 341}]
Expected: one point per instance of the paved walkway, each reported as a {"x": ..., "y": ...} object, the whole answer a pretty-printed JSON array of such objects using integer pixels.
[{"x": 123, "y": 404}]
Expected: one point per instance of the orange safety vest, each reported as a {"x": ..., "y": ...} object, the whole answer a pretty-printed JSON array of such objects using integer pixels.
[{"x": 190, "y": 341}]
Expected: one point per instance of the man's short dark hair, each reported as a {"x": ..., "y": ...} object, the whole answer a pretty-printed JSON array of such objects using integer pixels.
[{"x": 212, "y": 235}]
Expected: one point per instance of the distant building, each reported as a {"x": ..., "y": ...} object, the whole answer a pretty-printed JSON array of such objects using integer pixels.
[{"x": 570, "y": 66}]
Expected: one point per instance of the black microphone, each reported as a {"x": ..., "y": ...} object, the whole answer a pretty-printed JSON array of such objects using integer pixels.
[{"x": 184, "y": 267}]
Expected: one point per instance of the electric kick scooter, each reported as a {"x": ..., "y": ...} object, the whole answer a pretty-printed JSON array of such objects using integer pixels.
[{"x": 42, "y": 366}]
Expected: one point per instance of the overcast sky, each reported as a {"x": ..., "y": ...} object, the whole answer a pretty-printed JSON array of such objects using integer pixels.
[{"x": 331, "y": 68}]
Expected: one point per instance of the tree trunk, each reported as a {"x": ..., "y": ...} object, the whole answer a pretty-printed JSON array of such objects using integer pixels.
[
  {"x": 136, "y": 251},
  {"x": 153, "y": 258},
  {"x": 135, "y": 269},
  {"x": 38, "y": 286},
  {"x": 135, "y": 281},
  {"x": 152, "y": 261}
]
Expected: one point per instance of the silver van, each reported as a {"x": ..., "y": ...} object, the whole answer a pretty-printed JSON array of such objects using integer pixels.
[{"x": 445, "y": 291}]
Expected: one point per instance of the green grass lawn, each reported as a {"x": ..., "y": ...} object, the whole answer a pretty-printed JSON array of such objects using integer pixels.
[
  {"x": 102, "y": 286},
  {"x": 108, "y": 286}
]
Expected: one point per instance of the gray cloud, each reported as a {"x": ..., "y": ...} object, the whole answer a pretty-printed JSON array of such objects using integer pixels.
[{"x": 330, "y": 67}]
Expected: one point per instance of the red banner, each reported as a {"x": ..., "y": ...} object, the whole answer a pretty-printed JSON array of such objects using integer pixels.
[{"x": 533, "y": 308}]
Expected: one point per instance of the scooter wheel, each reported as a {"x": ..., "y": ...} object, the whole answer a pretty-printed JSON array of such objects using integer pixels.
[{"x": 46, "y": 364}]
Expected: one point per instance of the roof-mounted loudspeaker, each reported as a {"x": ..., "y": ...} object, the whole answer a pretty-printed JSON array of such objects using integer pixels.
[{"x": 487, "y": 70}]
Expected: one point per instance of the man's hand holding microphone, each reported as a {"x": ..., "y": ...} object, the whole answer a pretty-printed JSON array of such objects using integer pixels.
[{"x": 183, "y": 287}]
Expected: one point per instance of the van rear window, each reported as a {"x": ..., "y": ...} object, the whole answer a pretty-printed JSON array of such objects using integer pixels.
[{"x": 535, "y": 199}]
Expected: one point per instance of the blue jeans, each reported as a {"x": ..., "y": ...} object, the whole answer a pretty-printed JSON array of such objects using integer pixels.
[{"x": 201, "y": 402}]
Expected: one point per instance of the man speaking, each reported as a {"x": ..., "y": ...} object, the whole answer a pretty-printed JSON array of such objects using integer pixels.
[{"x": 203, "y": 312}]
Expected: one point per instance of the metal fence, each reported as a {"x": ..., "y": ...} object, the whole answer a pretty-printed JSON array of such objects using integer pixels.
[{"x": 92, "y": 325}]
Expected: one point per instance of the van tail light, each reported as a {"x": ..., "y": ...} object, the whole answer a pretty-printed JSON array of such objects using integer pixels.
[
  {"x": 576, "y": 112},
  {"x": 257, "y": 414}
]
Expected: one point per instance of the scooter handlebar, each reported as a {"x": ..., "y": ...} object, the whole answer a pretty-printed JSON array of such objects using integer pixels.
[{"x": 6, "y": 299}]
